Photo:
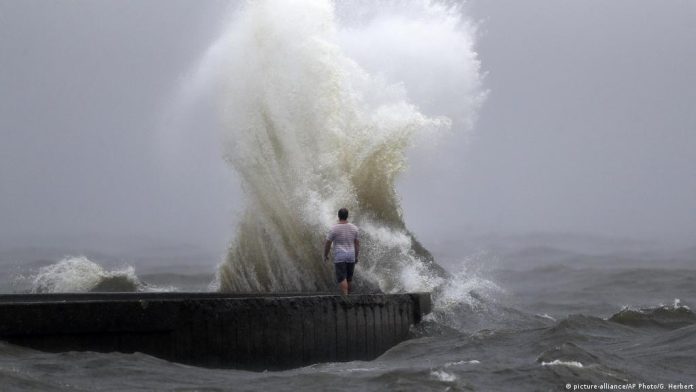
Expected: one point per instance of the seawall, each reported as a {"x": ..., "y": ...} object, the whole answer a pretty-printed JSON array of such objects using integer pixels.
[{"x": 244, "y": 331}]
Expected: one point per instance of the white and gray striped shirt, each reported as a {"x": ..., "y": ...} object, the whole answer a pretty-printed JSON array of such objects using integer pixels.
[{"x": 343, "y": 236}]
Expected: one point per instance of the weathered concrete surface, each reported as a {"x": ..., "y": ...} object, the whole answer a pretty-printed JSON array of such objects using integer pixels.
[{"x": 276, "y": 331}]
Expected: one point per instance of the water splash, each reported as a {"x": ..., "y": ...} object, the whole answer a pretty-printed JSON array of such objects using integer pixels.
[
  {"x": 309, "y": 130},
  {"x": 81, "y": 275}
]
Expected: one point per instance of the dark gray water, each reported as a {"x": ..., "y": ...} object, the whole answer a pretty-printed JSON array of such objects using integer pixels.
[{"x": 534, "y": 319}]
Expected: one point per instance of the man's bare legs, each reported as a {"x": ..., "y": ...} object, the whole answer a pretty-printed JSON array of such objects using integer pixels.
[{"x": 344, "y": 286}]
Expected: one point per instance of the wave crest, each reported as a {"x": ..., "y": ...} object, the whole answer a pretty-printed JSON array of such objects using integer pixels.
[
  {"x": 665, "y": 316},
  {"x": 308, "y": 130},
  {"x": 81, "y": 275}
]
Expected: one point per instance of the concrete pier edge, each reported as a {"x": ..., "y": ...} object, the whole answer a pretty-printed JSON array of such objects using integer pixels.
[{"x": 245, "y": 331}]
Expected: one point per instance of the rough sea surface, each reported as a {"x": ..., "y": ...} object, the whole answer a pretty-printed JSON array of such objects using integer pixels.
[
  {"x": 315, "y": 120},
  {"x": 531, "y": 319}
]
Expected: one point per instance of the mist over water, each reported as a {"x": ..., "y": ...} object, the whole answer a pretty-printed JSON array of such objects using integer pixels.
[{"x": 309, "y": 130}]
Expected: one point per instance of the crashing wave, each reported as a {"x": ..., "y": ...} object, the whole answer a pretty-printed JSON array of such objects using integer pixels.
[
  {"x": 81, "y": 275},
  {"x": 309, "y": 130}
]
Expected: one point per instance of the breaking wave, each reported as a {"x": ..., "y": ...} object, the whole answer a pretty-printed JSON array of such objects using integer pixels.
[
  {"x": 664, "y": 316},
  {"x": 309, "y": 130},
  {"x": 81, "y": 275}
]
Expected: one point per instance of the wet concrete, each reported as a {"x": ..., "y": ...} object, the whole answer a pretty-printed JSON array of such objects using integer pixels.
[{"x": 244, "y": 331}]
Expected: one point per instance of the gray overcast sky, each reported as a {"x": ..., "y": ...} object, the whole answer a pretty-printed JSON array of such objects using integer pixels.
[{"x": 590, "y": 125}]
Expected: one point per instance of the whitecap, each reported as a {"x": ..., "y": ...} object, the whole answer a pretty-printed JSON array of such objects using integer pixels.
[
  {"x": 80, "y": 275},
  {"x": 443, "y": 376},
  {"x": 463, "y": 362},
  {"x": 563, "y": 363}
]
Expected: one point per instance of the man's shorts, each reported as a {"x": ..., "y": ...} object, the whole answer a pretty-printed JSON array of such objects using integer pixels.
[{"x": 344, "y": 271}]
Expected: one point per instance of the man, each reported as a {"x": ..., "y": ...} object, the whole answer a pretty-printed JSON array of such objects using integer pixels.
[{"x": 344, "y": 237}]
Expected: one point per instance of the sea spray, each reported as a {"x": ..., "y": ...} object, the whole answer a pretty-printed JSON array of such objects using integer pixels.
[
  {"x": 79, "y": 275},
  {"x": 308, "y": 130}
]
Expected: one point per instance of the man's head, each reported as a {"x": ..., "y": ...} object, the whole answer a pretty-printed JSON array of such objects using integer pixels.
[{"x": 343, "y": 214}]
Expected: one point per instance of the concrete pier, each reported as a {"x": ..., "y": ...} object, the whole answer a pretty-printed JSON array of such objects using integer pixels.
[{"x": 244, "y": 331}]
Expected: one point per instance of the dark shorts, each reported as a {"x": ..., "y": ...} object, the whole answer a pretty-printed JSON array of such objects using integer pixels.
[{"x": 344, "y": 271}]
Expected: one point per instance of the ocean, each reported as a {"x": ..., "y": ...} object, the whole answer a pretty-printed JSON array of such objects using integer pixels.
[
  {"x": 320, "y": 105},
  {"x": 530, "y": 318}
]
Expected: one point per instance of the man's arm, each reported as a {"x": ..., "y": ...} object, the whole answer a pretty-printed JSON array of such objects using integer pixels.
[
  {"x": 327, "y": 249},
  {"x": 356, "y": 243}
]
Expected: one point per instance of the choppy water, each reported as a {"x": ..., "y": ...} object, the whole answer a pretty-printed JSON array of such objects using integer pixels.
[
  {"x": 315, "y": 120},
  {"x": 533, "y": 319}
]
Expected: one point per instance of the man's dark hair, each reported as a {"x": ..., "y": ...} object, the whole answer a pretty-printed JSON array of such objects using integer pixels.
[{"x": 343, "y": 214}]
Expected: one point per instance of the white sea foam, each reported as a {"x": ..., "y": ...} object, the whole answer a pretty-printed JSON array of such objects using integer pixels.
[
  {"x": 80, "y": 274},
  {"x": 465, "y": 286},
  {"x": 679, "y": 305},
  {"x": 463, "y": 362},
  {"x": 359, "y": 370},
  {"x": 443, "y": 376},
  {"x": 557, "y": 362},
  {"x": 546, "y": 316}
]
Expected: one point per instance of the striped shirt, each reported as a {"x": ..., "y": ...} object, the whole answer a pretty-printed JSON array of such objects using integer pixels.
[{"x": 343, "y": 236}]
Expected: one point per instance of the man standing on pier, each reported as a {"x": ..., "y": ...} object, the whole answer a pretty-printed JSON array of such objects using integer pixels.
[{"x": 344, "y": 237}]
